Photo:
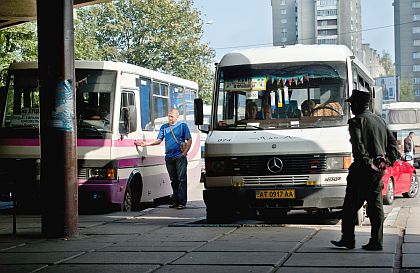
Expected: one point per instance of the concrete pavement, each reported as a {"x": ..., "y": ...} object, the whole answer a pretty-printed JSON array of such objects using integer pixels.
[{"x": 169, "y": 240}]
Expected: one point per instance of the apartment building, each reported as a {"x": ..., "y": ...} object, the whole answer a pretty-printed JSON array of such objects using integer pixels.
[
  {"x": 407, "y": 42},
  {"x": 323, "y": 22}
]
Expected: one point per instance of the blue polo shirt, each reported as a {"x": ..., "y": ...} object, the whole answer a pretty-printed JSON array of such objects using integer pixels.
[{"x": 182, "y": 133}]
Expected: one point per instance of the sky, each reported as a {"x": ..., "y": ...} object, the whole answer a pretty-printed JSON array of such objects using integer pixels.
[{"x": 238, "y": 24}]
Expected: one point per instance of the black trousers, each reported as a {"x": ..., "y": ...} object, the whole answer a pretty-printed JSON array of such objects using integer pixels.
[{"x": 363, "y": 184}]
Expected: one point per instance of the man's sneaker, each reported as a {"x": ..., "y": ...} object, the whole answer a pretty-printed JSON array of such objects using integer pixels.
[
  {"x": 342, "y": 243},
  {"x": 180, "y": 206},
  {"x": 173, "y": 205}
]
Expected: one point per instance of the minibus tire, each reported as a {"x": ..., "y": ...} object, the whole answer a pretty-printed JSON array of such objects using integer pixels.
[{"x": 132, "y": 197}]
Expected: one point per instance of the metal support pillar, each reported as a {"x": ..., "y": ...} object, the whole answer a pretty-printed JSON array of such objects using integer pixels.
[{"x": 57, "y": 108}]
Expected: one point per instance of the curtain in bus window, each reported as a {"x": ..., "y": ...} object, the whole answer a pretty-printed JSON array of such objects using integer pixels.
[
  {"x": 160, "y": 104},
  {"x": 190, "y": 95},
  {"x": 402, "y": 116},
  {"x": 146, "y": 122},
  {"x": 177, "y": 99}
]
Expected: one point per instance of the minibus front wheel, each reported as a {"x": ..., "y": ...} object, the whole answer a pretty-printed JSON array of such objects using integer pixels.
[{"x": 132, "y": 197}]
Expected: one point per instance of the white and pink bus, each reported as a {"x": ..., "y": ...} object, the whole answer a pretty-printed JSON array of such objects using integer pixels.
[{"x": 116, "y": 104}]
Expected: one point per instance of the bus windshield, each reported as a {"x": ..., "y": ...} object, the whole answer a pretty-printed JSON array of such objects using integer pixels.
[
  {"x": 281, "y": 95},
  {"x": 94, "y": 101}
]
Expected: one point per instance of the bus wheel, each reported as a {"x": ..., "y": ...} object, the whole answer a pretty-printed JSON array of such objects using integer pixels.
[{"x": 132, "y": 196}]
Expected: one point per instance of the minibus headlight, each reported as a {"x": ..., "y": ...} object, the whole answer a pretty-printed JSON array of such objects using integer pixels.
[
  {"x": 335, "y": 163},
  {"x": 101, "y": 173}
]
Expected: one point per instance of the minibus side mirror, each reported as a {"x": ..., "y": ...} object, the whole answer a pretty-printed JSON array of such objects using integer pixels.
[{"x": 198, "y": 111}]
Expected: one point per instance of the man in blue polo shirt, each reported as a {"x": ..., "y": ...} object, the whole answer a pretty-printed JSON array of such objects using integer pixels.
[{"x": 174, "y": 134}]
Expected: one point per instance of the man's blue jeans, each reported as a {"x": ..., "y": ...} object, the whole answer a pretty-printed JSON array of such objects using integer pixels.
[{"x": 177, "y": 169}]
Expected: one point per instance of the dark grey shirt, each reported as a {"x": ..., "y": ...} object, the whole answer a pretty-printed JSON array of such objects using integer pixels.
[{"x": 370, "y": 138}]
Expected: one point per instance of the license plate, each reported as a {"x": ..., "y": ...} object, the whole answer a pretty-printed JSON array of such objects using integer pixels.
[{"x": 275, "y": 194}]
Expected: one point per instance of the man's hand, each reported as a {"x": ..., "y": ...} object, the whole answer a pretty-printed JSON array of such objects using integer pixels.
[
  {"x": 378, "y": 163},
  {"x": 139, "y": 143}
]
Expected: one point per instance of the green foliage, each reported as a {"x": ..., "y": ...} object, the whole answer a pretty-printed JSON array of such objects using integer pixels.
[
  {"x": 18, "y": 43},
  {"x": 406, "y": 91},
  {"x": 386, "y": 61},
  {"x": 161, "y": 35}
]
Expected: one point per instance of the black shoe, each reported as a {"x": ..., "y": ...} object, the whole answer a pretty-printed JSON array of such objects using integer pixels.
[
  {"x": 173, "y": 205},
  {"x": 181, "y": 206},
  {"x": 372, "y": 246},
  {"x": 342, "y": 243}
]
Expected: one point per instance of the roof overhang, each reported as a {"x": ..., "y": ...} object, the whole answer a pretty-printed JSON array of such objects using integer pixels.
[{"x": 14, "y": 12}]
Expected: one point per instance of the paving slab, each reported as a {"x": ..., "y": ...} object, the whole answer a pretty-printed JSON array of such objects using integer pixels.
[
  {"x": 321, "y": 242},
  {"x": 187, "y": 215},
  {"x": 248, "y": 245},
  {"x": 125, "y": 258},
  {"x": 35, "y": 257},
  {"x": 277, "y": 234},
  {"x": 411, "y": 248},
  {"x": 185, "y": 234},
  {"x": 107, "y": 238},
  {"x": 119, "y": 228},
  {"x": 344, "y": 259},
  {"x": 60, "y": 246},
  {"x": 232, "y": 258},
  {"x": 21, "y": 268},
  {"x": 214, "y": 269},
  {"x": 154, "y": 246},
  {"x": 412, "y": 239},
  {"x": 332, "y": 270},
  {"x": 412, "y": 231},
  {"x": 108, "y": 217},
  {"x": 414, "y": 221},
  {"x": 411, "y": 261},
  {"x": 126, "y": 268}
]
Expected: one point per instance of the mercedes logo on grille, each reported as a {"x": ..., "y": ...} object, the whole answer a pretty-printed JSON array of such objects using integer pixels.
[{"x": 275, "y": 165}]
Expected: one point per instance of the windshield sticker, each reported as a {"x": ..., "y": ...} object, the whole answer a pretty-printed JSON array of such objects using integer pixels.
[
  {"x": 63, "y": 116},
  {"x": 29, "y": 117},
  {"x": 246, "y": 84},
  {"x": 253, "y": 95},
  {"x": 259, "y": 84}
]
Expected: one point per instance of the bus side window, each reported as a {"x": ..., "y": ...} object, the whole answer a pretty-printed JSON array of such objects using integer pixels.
[
  {"x": 128, "y": 113},
  {"x": 145, "y": 105}
]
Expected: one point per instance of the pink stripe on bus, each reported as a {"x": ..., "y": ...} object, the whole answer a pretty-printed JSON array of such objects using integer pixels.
[
  {"x": 95, "y": 143},
  {"x": 19, "y": 142}
]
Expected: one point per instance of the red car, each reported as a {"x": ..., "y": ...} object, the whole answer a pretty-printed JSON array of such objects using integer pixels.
[{"x": 400, "y": 179}]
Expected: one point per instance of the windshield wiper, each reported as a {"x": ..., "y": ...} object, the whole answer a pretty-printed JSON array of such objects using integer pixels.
[{"x": 242, "y": 126}]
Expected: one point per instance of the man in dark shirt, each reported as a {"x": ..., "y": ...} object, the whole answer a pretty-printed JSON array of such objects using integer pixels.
[
  {"x": 409, "y": 146},
  {"x": 373, "y": 148}
]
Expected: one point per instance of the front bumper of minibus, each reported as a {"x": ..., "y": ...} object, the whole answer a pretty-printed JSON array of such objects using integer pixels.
[{"x": 307, "y": 198}]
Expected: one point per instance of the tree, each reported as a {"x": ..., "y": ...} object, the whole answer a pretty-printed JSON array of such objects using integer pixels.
[
  {"x": 161, "y": 35},
  {"x": 386, "y": 61},
  {"x": 19, "y": 43},
  {"x": 406, "y": 91}
]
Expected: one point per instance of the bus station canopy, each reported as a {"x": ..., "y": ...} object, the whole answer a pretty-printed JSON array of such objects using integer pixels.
[{"x": 15, "y": 12}]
